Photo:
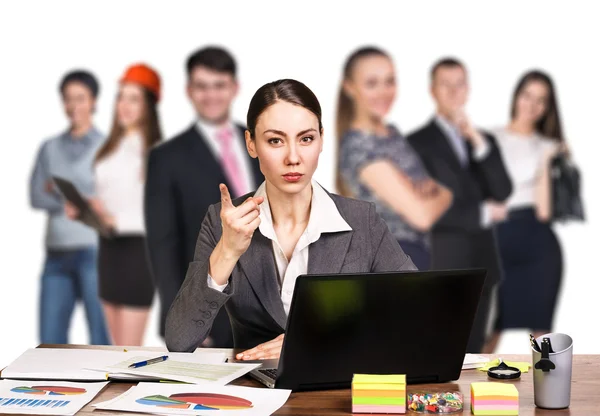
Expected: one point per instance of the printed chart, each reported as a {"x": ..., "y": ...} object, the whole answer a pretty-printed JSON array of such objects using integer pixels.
[
  {"x": 197, "y": 401},
  {"x": 54, "y": 398}
]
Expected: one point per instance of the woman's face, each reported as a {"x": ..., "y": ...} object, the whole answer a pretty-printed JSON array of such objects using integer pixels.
[
  {"x": 372, "y": 86},
  {"x": 79, "y": 103},
  {"x": 130, "y": 105},
  {"x": 287, "y": 143},
  {"x": 532, "y": 102}
]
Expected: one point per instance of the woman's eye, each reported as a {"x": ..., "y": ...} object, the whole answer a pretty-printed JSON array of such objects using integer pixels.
[
  {"x": 274, "y": 141},
  {"x": 307, "y": 139}
]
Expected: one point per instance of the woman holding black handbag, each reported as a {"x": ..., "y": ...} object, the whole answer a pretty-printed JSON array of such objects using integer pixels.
[{"x": 529, "y": 249}]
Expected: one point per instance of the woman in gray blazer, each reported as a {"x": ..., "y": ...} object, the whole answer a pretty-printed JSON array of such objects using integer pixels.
[{"x": 301, "y": 229}]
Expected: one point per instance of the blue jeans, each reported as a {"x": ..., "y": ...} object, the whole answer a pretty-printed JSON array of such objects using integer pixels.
[{"x": 70, "y": 275}]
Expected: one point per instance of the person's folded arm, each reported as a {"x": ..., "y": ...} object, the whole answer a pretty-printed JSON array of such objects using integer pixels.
[
  {"x": 464, "y": 214},
  {"x": 398, "y": 191}
]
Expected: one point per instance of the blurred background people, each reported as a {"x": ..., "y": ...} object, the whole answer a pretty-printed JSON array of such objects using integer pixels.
[
  {"x": 469, "y": 163},
  {"x": 126, "y": 285},
  {"x": 184, "y": 175},
  {"x": 71, "y": 248},
  {"x": 376, "y": 163},
  {"x": 529, "y": 249}
]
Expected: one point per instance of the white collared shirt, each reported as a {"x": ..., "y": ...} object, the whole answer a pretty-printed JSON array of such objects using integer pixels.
[
  {"x": 120, "y": 184},
  {"x": 324, "y": 218},
  {"x": 209, "y": 133}
]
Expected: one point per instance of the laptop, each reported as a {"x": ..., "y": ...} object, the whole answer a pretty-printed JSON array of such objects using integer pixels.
[{"x": 413, "y": 323}]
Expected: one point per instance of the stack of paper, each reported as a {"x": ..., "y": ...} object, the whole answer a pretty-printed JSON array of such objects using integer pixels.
[
  {"x": 92, "y": 365},
  {"x": 373, "y": 393},
  {"x": 489, "y": 398},
  {"x": 184, "y": 368}
]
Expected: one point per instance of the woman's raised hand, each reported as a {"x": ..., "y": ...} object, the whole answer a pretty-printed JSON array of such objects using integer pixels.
[{"x": 239, "y": 223}]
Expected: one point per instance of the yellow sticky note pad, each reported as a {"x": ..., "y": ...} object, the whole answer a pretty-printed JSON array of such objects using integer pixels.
[
  {"x": 379, "y": 378},
  {"x": 494, "y": 389}
]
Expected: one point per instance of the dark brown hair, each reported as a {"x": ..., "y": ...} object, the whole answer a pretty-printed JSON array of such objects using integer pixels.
[
  {"x": 447, "y": 62},
  {"x": 345, "y": 107},
  {"x": 150, "y": 128},
  {"x": 549, "y": 124},
  {"x": 214, "y": 58},
  {"x": 84, "y": 77},
  {"x": 288, "y": 90}
]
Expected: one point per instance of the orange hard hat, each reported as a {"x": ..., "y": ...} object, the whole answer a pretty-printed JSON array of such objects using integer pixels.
[{"x": 145, "y": 76}]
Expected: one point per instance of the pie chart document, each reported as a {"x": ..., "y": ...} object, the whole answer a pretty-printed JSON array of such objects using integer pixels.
[{"x": 210, "y": 400}]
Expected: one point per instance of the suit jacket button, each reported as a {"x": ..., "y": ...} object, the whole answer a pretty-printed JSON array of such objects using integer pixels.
[
  {"x": 213, "y": 305},
  {"x": 200, "y": 323},
  {"x": 207, "y": 314}
]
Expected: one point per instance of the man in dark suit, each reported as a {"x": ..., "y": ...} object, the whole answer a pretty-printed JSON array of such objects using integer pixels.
[
  {"x": 184, "y": 174},
  {"x": 469, "y": 163}
]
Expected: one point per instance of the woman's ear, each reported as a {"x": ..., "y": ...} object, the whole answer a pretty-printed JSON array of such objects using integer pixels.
[
  {"x": 322, "y": 137},
  {"x": 250, "y": 144}
]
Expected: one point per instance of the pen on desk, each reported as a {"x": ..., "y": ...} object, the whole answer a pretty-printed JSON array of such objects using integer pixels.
[
  {"x": 147, "y": 362},
  {"x": 534, "y": 343}
]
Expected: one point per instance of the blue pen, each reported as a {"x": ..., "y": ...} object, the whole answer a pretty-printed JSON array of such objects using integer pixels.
[{"x": 147, "y": 362}]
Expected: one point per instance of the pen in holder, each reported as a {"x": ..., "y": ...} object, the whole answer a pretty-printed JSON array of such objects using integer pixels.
[{"x": 552, "y": 357}]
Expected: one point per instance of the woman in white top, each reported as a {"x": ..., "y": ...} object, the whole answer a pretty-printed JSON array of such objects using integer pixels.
[
  {"x": 126, "y": 286},
  {"x": 529, "y": 250}
]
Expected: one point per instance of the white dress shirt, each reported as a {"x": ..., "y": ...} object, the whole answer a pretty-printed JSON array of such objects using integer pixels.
[
  {"x": 523, "y": 156},
  {"x": 324, "y": 218},
  {"x": 209, "y": 133},
  {"x": 120, "y": 185}
]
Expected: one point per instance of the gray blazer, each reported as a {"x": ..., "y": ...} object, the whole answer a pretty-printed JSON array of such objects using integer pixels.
[{"x": 252, "y": 297}]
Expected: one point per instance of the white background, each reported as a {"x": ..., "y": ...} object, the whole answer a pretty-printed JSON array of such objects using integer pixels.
[{"x": 309, "y": 41}]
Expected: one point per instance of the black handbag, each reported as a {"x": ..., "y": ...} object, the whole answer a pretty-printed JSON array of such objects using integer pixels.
[{"x": 566, "y": 190}]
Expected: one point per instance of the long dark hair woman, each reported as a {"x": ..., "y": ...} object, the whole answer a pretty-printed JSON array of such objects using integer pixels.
[
  {"x": 289, "y": 214},
  {"x": 126, "y": 287},
  {"x": 529, "y": 249}
]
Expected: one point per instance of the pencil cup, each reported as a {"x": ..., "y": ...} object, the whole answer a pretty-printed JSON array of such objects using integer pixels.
[{"x": 552, "y": 379}]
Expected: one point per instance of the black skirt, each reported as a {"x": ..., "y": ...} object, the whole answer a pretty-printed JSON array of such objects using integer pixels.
[
  {"x": 124, "y": 272},
  {"x": 532, "y": 265}
]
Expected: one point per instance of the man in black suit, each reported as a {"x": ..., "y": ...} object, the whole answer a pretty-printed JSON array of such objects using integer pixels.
[
  {"x": 184, "y": 174},
  {"x": 469, "y": 163}
]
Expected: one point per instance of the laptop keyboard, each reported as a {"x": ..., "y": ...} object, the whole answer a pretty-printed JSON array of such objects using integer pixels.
[{"x": 269, "y": 372}]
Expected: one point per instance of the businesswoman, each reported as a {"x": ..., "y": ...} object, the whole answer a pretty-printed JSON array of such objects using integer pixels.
[
  {"x": 126, "y": 286},
  {"x": 529, "y": 249},
  {"x": 251, "y": 250},
  {"x": 376, "y": 163}
]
